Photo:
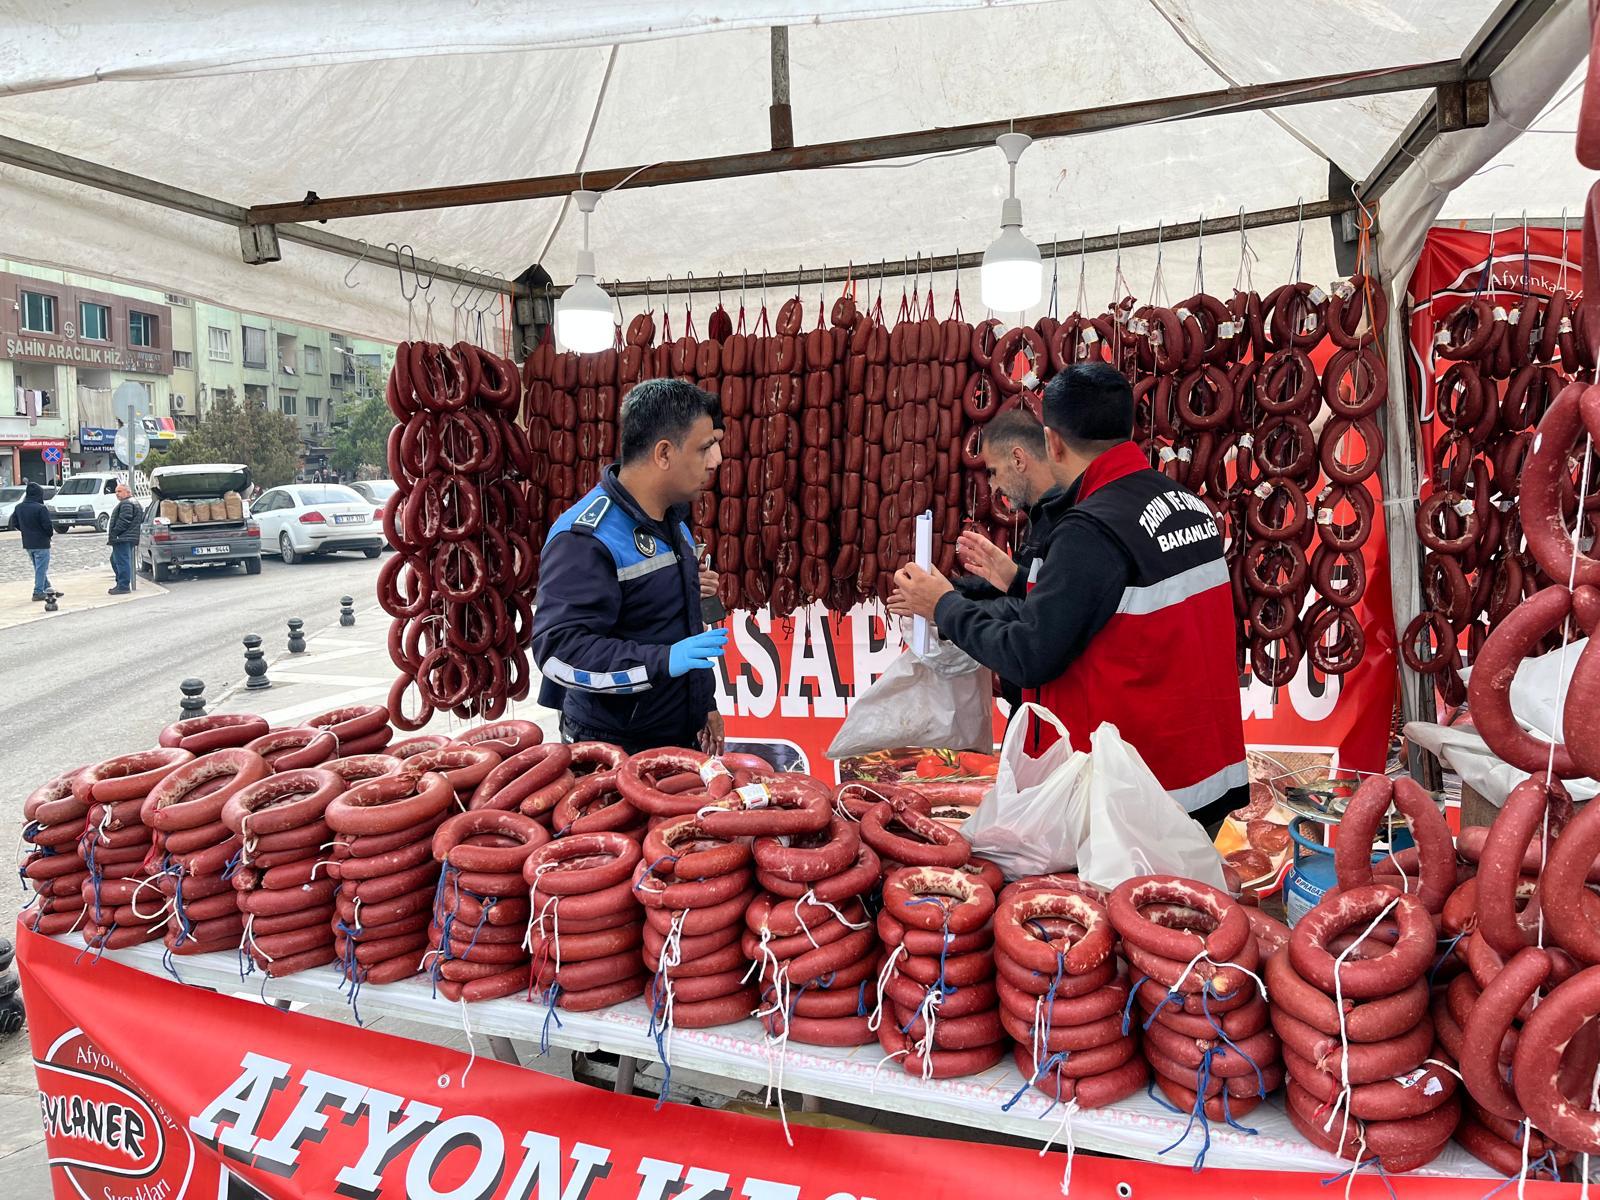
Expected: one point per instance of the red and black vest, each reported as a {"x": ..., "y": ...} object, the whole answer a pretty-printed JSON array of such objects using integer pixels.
[{"x": 1162, "y": 669}]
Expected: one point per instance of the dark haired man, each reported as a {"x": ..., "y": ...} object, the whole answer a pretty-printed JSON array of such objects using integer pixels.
[
  {"x": 1130, "y": 618},
  {"x": 1018, "y": 465},
  {"x": 617, "y": 632}
]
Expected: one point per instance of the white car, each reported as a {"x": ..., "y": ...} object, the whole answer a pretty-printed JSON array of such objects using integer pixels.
[{"x": 317, "y": 518}]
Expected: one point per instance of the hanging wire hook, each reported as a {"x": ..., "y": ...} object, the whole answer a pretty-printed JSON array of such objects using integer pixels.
[
  {"x": 364, "y": 250},
  {"x": 431, "y": 274},
  {"x": 400, "y": 270},
  {"x": 1200, "y": 254}
]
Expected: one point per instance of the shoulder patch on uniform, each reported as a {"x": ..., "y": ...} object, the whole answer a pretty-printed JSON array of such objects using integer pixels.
[{"x": 591, "y": 517}]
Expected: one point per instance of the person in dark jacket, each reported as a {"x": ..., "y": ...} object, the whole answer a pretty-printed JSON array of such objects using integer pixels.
[
  {"x": 123, "y": 535},
  {"x": 33, "y": 519},
  {"x": 1019, "y": 469},
  {"x": 617, "y": 632},
  {"x": 1130, "y": 619}
]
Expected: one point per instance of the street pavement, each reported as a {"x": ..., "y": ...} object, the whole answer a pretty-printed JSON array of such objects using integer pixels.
[{"x": 78, "y": 687}]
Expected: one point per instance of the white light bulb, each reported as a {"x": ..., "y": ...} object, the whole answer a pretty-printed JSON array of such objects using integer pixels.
[
  {"x": 1012, "y": 278},
  {"x": 584, "y": 323}
]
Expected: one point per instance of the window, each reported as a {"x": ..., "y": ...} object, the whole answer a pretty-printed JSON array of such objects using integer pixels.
[
  {"x": 38, "y": 312},
  {"x": 313, "y": 406},
  {"x": 255, "y": 347},
  {"x": 141, "y": 328},
  {"x": 313, "y": 360},
  {"x": 287, "y": 402},
  {"x": 94, "y": 322},
  {"x": 182, "y": 360},
  {"x": 220, "y": 343}
]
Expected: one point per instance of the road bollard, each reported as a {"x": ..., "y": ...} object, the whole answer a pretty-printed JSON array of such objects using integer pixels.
[
  {"x": 193, "y": 703},
  {"x": 255, "y": 662},
  {"x": 297, "y": 637},
  {"x": 347, "y": 610}
]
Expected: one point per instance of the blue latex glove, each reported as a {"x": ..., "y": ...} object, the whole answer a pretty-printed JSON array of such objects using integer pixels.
[{"x": 695, "y": 653}]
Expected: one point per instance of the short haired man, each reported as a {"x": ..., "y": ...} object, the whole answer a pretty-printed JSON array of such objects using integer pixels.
[
  {"x": 122, "y": 535},
  {"x": 617, "y": 631},
  {"x": 1018, "y": 466},
  {"x": 1130, "y": 619}
]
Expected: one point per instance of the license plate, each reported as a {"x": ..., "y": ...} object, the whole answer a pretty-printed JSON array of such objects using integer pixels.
[
  {"x": 199, "y": 551},
  {"x": 350, "y": 520}
]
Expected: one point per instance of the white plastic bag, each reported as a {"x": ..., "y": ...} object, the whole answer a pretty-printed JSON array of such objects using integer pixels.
[
  {"x": 1036, "y": 815},
  {"x": 1135, "y": 826},
  {"x": 943, "y": 699}
]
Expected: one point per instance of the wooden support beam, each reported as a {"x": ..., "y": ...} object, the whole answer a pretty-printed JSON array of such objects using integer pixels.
[{"x": 1315, "y": 89}]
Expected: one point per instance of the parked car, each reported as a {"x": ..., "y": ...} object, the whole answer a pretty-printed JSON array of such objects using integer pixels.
[
  {"x": 85, "y": 500},
  {"x": 380, "y": 492},
  {"x": 167, "y": 543},
  {"x": 317, "y": 518},
  {"x": 12, "y": 495},
  {"x": 377, "y": 491}
]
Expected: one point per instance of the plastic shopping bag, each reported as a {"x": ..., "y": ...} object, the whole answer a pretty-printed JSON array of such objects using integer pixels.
[
  {"x": 1037, "y": 814},
  {"x": 1135, "y": 826},
  {"x": 943, "y": 699}
]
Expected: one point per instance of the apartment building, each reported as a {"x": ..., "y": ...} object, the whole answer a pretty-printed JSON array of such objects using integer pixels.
[
  {"x": 69, "y": 340},
  {"x": 306, "y": 372}
]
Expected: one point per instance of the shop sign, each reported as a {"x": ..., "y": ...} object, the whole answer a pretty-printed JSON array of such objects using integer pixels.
[
  {"x": 44, "y": 444},
  {"x": 117, "y": 358},
  {"x": 92, "y": 438}
]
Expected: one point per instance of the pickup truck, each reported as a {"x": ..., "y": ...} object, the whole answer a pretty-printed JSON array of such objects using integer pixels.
[{"x": 167, "y": 544}]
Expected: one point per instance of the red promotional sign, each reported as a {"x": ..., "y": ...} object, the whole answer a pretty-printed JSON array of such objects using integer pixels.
[
  {"x": 234, "y": 1100},
  {"x": 789, "y": 683}
]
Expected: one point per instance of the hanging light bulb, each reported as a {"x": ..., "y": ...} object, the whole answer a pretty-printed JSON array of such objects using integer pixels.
[
  {"x": 1013, "y": 273},
  {"x": 583, "y": 314}
]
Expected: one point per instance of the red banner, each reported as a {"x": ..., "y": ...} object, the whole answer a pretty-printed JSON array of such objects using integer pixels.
[
  {"x": 154, "y": 1091},
  {"x": 786, "y": 685},
  {"x": 1460, "y": 265}
]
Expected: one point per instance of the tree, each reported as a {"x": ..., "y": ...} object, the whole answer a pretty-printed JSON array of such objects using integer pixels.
[
  {"x": 266, "y": 442},
  {"x": 362, "y": 437}
]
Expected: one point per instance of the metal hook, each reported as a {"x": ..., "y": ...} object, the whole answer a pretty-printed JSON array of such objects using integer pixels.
[
  {"x": 431, "y": 274},
  {"x": 489, "y": 293},
  {"x": 364, "y": 249},
  {"x": 400, "y": 270},
  {"x": 744, "y": 282},
  {"x": 455, "y": 288},
  {"x": 719, "y": 289}
]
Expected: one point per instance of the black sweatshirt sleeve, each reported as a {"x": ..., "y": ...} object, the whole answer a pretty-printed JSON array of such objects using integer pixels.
[
  {"x": 1032, "y": 641},
  {"x": 974, "y": 588}
]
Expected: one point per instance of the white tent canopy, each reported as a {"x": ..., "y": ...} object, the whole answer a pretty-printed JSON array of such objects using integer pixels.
[{"x": 264, "y": 102}]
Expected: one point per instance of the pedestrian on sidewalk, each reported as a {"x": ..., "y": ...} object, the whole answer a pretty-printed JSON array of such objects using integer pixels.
[
  {"x": 123, "y": 535},
  {"x": 33, "y": 519}
]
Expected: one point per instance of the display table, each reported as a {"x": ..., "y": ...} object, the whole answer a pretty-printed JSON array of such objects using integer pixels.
[{"x": 1136, "y": 1128}]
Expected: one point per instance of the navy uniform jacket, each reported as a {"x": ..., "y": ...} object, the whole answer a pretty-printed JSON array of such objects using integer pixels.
[{"x": 616, "y": 589}]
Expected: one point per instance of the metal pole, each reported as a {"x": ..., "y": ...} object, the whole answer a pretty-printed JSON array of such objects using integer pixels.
[{"x": 781, "y": 116}]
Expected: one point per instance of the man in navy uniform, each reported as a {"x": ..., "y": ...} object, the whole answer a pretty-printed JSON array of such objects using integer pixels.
[{"x": 617, "y": 631}]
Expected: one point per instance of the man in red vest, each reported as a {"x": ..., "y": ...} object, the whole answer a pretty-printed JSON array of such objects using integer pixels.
[{"x": 1129, "y": 616}]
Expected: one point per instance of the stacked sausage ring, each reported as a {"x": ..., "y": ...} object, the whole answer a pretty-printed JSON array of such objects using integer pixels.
[
  {"x": 115, "y": 835},
  {"x": 586, "y": 926},
  {"x": 1193, "y": 951},
  {"x": 940, "y": 1010},
  {"x": 54, "y": 825},
  {"x": 185, "y": 810},
  {"x": 595, "y": 803},
  {"x": 1358, "y": 1038},
  {"x": 383, "y": 862},
  {"x": 483, "y": 853},
  {"x": 1062, "y": 994},
  {"x": 280, "y": 878},
  {"x": 812, "y": 936}
]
